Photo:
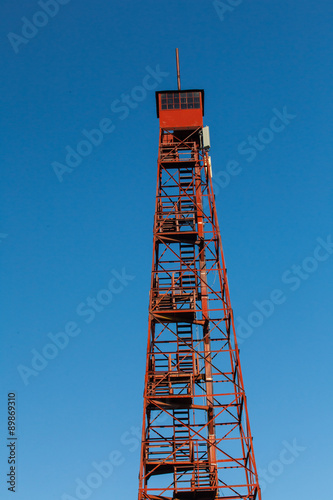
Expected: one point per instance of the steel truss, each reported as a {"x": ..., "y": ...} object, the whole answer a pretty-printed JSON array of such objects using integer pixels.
[{"x": 196, "y": 441}]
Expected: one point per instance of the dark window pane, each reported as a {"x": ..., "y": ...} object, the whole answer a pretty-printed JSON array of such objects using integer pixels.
[
  {"x": 189, "y": 94},
  {"x": 177, "y": 105},
  {"x": 164, "y": 106},
  {"x": 190, "y": 106},
  {"x": 197, "y": 105},
  {"x": 183, "y": 106},
  {"x": 196, "y": 94},
  {"x": 183, "y": 100}
]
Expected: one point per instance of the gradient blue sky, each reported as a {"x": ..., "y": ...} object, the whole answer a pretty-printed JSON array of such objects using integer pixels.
[{"x": 60, "y": 242}]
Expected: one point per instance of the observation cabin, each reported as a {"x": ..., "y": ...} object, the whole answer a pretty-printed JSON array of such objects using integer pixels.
[{"x": 180, "y": 109}]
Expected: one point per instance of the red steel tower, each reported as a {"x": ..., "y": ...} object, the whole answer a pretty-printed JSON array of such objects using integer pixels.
[{"x": 196, "y": 439}]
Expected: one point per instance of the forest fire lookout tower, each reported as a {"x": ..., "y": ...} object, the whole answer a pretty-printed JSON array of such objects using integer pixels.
[{"x": 196, "y": 438}]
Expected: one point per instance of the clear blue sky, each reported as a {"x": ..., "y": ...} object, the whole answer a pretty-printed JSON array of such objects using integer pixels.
[{"x": 63, "y": 242}]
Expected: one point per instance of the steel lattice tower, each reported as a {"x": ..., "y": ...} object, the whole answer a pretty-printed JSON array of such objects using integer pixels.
[{"x": 196, "y": 439}]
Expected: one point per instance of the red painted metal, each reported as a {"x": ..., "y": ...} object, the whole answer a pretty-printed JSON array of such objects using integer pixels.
[
  {"x": 174, "y": 112},
  {"x": 196, "y": 439}
]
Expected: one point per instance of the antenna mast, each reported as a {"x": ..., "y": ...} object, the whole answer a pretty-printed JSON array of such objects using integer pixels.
[{"x": 178, "y": 68}]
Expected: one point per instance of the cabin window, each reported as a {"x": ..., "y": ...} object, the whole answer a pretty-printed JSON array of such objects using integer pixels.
[{"x": 180, "y": 100}]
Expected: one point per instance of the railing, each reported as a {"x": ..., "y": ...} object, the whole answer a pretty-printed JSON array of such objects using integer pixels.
[
  {"x": 179, "y": 152},
  {"x": 176, "y": 300}
]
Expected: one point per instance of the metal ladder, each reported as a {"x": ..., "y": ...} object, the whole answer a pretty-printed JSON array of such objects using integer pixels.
[
  {"x": 182, "y": 435},
  {"x": 185, "y": 357}
]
